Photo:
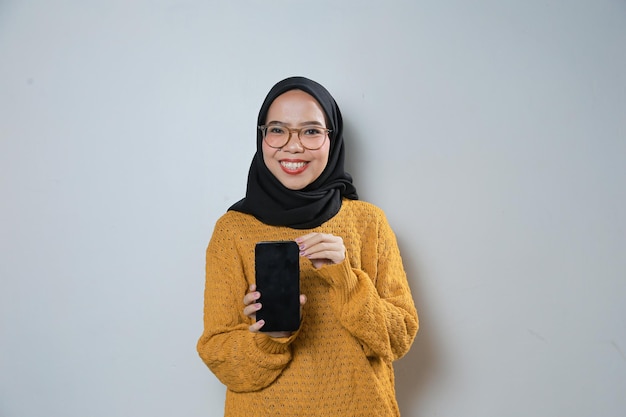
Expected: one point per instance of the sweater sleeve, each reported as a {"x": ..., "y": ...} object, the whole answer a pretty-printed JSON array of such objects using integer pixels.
[
  {"x": 241, "y": 360},
  {"x": 376, "y": 307}
]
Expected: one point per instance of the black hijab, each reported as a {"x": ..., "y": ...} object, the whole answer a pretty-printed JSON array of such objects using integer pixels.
[{"x": 273, "y": 203}]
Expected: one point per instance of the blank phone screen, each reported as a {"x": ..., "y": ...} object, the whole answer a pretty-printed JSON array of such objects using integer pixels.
[{"x": 277, "y": 273}]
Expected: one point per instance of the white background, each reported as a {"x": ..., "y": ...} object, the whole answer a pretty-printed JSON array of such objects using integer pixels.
[{"x": 492, "y": 133}]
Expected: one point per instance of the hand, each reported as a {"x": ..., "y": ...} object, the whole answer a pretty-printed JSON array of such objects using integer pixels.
[
  {"x": 251, "y": 307},
  {"x": 322, "y": 249}
]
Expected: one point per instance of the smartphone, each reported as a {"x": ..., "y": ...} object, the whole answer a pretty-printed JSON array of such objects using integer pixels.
[{"x": 277, "y": 274}]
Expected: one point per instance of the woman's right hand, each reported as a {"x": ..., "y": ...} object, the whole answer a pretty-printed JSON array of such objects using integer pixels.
[{"x": 251, "y": 306}]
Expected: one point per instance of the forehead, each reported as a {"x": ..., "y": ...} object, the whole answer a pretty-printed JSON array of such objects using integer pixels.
[{"x": 295, "y": 104}]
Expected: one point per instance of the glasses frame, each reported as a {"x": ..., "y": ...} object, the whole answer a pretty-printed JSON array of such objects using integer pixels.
[{"x": 263, "y": 129}]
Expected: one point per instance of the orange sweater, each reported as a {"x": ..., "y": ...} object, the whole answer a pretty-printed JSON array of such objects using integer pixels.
[{"x": 358, "y": 318}]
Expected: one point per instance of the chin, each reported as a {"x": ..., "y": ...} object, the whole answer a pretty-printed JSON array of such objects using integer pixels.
[
  {"x": 294, "y": 184},
  {"x": 294, "y": 187}
]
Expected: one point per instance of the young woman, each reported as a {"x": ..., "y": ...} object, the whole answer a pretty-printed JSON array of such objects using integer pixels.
[{"x": 358, "y": 315}]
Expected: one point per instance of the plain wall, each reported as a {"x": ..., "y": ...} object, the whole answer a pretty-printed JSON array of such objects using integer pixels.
[{"x": 492, "y": 133}]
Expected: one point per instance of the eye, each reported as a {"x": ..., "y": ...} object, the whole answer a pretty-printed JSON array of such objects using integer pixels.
[
  {"x": 312, "y": 131},
  {"x": 275, "y": 130}
]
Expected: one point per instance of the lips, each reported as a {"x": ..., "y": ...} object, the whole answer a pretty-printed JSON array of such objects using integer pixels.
[{"x": 293, "y": 167}]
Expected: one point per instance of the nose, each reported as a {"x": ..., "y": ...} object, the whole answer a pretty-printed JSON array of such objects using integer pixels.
[{"x": 293, "y": 144}]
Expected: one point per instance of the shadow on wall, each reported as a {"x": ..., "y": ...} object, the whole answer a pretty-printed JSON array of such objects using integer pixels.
[
  {"x": 415, "y": 371},
  {"x": 354, "y": 160}
]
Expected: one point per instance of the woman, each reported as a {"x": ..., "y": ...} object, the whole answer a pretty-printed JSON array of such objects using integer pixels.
[{"x": 357, "y": 311}]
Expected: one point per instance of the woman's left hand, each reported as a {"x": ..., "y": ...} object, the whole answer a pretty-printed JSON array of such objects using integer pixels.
[{"x": 322, "y": 249}]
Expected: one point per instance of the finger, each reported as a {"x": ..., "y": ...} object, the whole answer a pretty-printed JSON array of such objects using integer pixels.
[
  {"x": 311, "y": 239},
  {"x": 251, "y": 298},
  {"x": 251, "y": 289},
  {"x": 318, "y": 263},
  {"x": 323, "y": 253},
  {"x": 304, "y": 238},
  {"x": 256, "y": 326},
  {"x": 324, "y": 246},
  {"x": 302, "y": 300},
  {"x": 334, "y": 252},
  {"x": 322, "y": 240},
  {"x": 251, "y": 310}
]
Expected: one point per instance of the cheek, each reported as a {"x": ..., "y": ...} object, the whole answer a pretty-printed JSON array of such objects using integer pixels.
[
  {"x": 324, "y": 153},
  {"x": 268, "y": 153},
  {"x": 323, "y": 162}
]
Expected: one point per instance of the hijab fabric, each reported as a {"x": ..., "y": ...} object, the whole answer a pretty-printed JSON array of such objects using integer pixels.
[{"x": 273, "y": 203}]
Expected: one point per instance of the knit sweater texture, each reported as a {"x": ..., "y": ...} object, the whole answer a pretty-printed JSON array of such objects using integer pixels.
[{"x": 359, "y": 317}]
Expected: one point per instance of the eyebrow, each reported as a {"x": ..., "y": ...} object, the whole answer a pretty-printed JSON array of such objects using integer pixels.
[{"x": 276, "y": 122}]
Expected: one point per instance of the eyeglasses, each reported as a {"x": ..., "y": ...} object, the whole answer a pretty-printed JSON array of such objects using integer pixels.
[{"x": 311, "y": 137}]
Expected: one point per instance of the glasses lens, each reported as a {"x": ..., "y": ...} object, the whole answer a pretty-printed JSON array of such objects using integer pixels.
[
  {"x": 276, "y": 136},
  {"x": 312, "y": 137}
]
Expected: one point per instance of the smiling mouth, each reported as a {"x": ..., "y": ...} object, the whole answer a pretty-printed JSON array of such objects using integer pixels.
[{"x": 293, "y": 167}]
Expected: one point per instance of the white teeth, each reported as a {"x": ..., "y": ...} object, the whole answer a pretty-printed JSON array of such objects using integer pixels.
[{"x": 293, "y": 165}]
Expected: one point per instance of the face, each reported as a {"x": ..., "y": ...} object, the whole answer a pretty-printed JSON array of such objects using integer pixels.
[{"x": 294, "y": 166}]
